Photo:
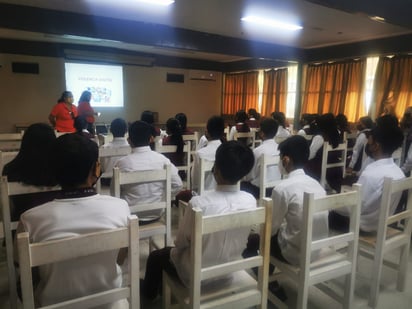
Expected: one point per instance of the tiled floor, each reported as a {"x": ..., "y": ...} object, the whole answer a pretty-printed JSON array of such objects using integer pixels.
[{"x": 389, "y": 296}]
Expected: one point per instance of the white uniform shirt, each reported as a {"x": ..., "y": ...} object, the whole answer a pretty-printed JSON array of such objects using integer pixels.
[
  {"x": 282, "y": 132},
  {"x": 206, "y": 153},
  {"x": 288, "y": 211},
  {"x": 202, "y": 142},
  {"x": 108, "y": 163},
  {"x": 143, "y": 159},
  {"x": 218, "y": 247},
  {"x": 371, "y": 180},
  {"x": 72, "y": 217},
  {"x": 315, "y": 145},
  {"x": 358, "y": 148},
  {"x": 268, "y": 147}
]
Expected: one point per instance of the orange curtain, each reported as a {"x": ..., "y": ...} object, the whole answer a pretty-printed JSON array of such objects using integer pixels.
[
  {"x": 275, "y": 90},
  {"x": 241, "y": 91},
  {"x": 393, "y": 84},
  {"x": 335, "y": 88}
]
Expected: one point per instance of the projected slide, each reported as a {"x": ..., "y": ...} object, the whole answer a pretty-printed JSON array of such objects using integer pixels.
[{"x": 105, "y": 82}]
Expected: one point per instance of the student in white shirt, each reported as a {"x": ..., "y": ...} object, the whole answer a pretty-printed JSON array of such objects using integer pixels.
[
  {"x": 214, "y": 133},
  {"x": 233, "y": 161},
  {"x": 281, "y": 119},
  {"x": 118, "y": 127},
  {"x": 383, "y": 140},
  {"x": 267, "y": 132},
  {"x": 143, "y": 158},
  {"x": 78, "y": 210}
]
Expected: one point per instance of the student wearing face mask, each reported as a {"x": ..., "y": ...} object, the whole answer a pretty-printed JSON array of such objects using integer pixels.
[{"x": 287, "y": 199}]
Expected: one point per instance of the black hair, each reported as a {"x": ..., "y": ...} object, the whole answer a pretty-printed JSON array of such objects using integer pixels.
[
  {"x": 367, "y": 122},
  {"x": 181, "y": 117},
  {"x": 80, "y": 123},
  {"x": 280, "y": 118},
  {"x": 86, "y": 96},
  {"x": 140, "y": 133},
  {"x": 32, "y": 163},
  {"x": 75, "y": 156},
  {"x": 147, "y": 116},
  {"x": 215, "y": 127},
  {"x": 64, "y": 96},
  {"x": 342, "y": 122},
  {"x": 175, "y": 133},
  {"x": 387, "y": 133},
  {"x": 296, "y": 148},
  {"x": 118, "y": 127},
  {"x": 269, "y": 127},
  {"x": 253, "y": 113},
  {"x": 329, "y": 129},
  {"x": 234, "y": 160},
  {"x": 241, "y": 116}
]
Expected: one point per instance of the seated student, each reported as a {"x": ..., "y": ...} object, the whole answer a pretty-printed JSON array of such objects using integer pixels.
[
  {"x": 328, "y": 132},
  {"x": 383, "y": 140},
  {"x": 287, "y": 214},
  {"x": 233, "y": 161},
  {"x": 240, "y": 126},
  {"x": 214, "y": 132},
  {"x": 364, "y": 125},
  {"x": 281, "y": 120},
  {"x": 79, "y": 210},
  {"x": 254, "y": 117},
  {"x": 143, "y": 158},
  {"x": 268, "y": 129},
  {"x": 174, "y": 137},
  {"x": 118, "y": 127},
  {"x": 80, "y": 124},
  {"x": 32, "y": 166},
  {"x": 181, "y": 117}
]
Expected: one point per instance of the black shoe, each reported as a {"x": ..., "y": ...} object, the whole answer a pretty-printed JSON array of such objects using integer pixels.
[{"x": 278, "y": 291}]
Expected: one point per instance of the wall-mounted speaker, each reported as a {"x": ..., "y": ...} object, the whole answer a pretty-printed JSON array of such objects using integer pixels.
[
  {"x": 175, "y": 78},
  {"x": 25, "y": 67}
]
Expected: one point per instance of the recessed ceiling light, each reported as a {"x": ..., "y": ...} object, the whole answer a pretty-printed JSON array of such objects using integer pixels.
[
  {"x": 271, "y": 23},
  {"x": 158, "y": 2},
  {"x": 377, "y": 18}
]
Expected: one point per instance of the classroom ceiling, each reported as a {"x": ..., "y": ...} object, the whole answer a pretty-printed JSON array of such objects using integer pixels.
[{"x": 208, "y": 30}]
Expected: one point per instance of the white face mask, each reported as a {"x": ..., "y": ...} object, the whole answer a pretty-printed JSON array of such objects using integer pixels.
[{"x": 282, "y": 169}]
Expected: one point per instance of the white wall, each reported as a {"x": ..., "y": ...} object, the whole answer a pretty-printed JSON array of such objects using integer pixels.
[{"x": 28, "y": 98}]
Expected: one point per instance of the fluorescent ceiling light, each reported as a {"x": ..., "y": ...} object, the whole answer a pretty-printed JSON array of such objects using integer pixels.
[
  {"x": 158, "y": 2},
  {"x": 271, "y": 23}
]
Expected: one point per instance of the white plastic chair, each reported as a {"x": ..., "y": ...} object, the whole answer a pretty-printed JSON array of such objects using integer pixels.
[
  {"x": 389, "y": 238},
  {"x": 8, "y": 190},
  {"x": 267, "y": 163},
  {"x": 206, "y": 167},
  {"x": 164, "y": 149},
  {"x": 244, "y": 291},
  {"x": 108, "y": 153},
  {"x": 327, "y": 148},
  {"x": 10, "y": 141},
  {"x": 251, "y": 136},
  {"x": 6, "y": 157},
  {"x": 163, "y": 225},
  {"x": 193, "y": 139},
  {"x": 48, "y": 252},
  {"x": 330, "y": 264}
]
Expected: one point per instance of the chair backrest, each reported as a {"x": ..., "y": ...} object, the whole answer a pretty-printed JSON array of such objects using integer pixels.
[
  {"x": 311, "y": 207},
  {"x": 10, "y": 141},
  {"x": 165, "y": 149},
  {"x": 141, "y": 177},
  {"x": 6, "y": 157},
  {"x": 250, "y": 136},
  {"x": 107, "y": 153},
  {"x": 205, "y": 172},
  {"x": 204, "y": 225},
  {"x": 351, "y": 138},
  {"x": 397, "y": 156},
  {"x": 48, "y": 252},
  {"x": 9, "y": 189},
  {"x": 192, "y": 138},
  {"x": 391, "y": 187},
  {"x": 267, "y": 164},
  {"x": 327, "y": 149}
]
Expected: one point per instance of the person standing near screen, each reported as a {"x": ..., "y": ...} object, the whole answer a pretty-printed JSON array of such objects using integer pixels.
[
  {"x": 63, "y": 113},
  {"x": 86, "y": 110}
]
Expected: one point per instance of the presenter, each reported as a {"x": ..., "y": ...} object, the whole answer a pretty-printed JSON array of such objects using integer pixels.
[
  {"x": 85, "y": 109},
  {"x": 63, "y": 113}
]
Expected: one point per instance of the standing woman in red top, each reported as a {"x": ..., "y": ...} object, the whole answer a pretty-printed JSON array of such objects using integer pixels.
[
  {"x": 84, "y": 109},
  {"x": 63, "y": 113}
]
